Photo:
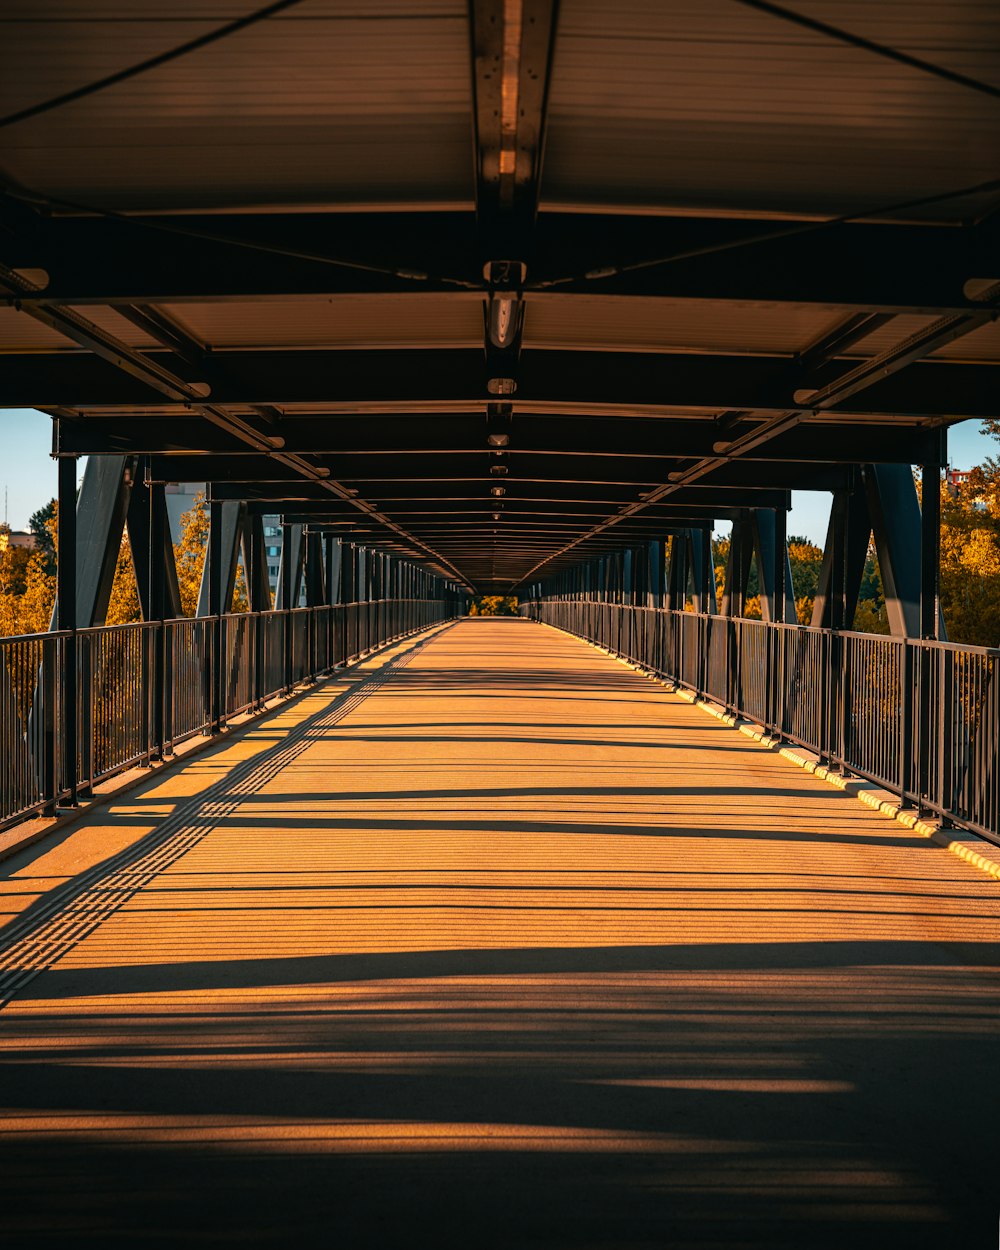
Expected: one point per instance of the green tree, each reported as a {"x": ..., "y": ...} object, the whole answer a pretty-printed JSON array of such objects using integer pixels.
[{"x": 42, "y": 525}]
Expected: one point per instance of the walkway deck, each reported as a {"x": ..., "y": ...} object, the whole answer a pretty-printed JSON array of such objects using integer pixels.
[{"x": 497, "y": 944}]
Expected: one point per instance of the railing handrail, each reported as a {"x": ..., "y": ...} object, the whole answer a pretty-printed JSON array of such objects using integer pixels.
[
  {"x": 40, "y": 637},
  {"x": 141, "y": 687},
  {"x": 916, "y": 716},
  {"x": 685, "y": 613}
]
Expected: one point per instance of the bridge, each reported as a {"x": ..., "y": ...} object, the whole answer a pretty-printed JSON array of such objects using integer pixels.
[{"x": 353, "y": 914}]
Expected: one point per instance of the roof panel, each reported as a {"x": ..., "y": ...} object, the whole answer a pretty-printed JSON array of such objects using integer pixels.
[
  {"x": 20, "y": 333},
  {"x": 359, "y": 104},
  {"x": 356, "y": 321},
  {"x": 656, "y": 325},
  {"x": 706, "y": 104},
  {"x": 978, "y": 345}
]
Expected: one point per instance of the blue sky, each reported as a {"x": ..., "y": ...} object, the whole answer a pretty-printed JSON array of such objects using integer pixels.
[{"x": 27, "y": 473}]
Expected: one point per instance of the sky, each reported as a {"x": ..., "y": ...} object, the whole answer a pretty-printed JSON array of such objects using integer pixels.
[{"x": 28, "y": 474}]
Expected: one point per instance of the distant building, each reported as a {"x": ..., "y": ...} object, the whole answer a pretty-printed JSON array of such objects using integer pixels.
[
  {"x": 16, "y": 538},
  {"x": 180, "y": 499}
]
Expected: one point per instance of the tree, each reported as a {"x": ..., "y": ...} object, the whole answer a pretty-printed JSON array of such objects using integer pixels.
[
  {"x": 123, "y": 606},
  {"x": 189, "y": 554},
  {"x": 43, "y": 525},
  {"x": 494, "y": 605},
  {"x": 970, "y": 556},
  {"x": 805, "y": 559},
  {"x": 33, "y": 611},
  {"x": 13, "y": 564}
]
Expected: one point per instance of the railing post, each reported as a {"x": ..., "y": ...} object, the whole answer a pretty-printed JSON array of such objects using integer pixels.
[
  {"x": 946, "y": 730},
  {"x": 214, "y": 624},
  {"x": 156, "y": 598},
  {"x": 169, "y": 635},
  {"x": 66, "y": 619},
  {"x": 906, "y": 700},
  {"x": 85, "y": 670},
  {"x": 830, "y": 693},
  {"x": 844, "y": 701},
  {"x": 50, "y": 756},
  {"x": 287, "y": 575},
  {"x": 930, "y": 616}
]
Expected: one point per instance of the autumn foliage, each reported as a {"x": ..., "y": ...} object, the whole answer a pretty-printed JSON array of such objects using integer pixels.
[{"x": 28, "y": 577}]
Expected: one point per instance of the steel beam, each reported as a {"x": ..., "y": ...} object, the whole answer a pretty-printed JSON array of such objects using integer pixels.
[
  {"x": 738, "y": 567},
  {"x": 931, "y": 622},
  {"x": 882, "y": 267},
  {"x": 334, "y": 554},
  {"x": 770, "y": 549},
  {"x": 398, "y": 500},
  {"x": 315, "y": 582},
  {"x": 102, "y": 506},
  {"x": 844, "y": 554},
  {"x": 895, "y": 517},
  {"x": 152, "y": 551},
  {"x": 390, "y": 437},
  {"x": 372, "y": 475},
  {"x": 66, "y": 619},
  {"x": 289, "y": 585},
  {"x": 704, "y": 592},
  {"x": 580, "y": 382},
  {"x": 218, "y": 578},
  {"x": 255, "y": 563}
]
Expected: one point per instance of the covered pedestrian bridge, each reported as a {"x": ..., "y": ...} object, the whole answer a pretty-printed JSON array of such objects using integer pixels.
[{"x": 420, "y": 927}]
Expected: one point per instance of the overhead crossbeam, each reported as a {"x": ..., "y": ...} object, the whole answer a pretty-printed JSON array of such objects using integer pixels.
[
  {"x": 109, "y": 350},
  {"x": 385, "y": 438},
  {"x": 564, "y": 381},
  {"x": 187, "y": 258},
  {"x": 874, "y": 372}
]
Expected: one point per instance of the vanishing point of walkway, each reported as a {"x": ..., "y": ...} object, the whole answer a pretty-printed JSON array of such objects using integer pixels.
[{"x": 494, "y": 942}]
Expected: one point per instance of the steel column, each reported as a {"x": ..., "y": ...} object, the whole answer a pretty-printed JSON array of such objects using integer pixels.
[
  {"x": 66, "y": 619},
  {"x": 844, "y": 556},
  {"x": 895, "y": 517}
]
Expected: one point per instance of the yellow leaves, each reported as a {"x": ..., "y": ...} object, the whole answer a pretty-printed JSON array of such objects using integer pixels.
[
  {"x": 980, "y": 554},
  {"x": 494, "y": 605},
  {"x": 190, "y": 554},
  {"x": 31, "y": 613},
  {"x": 803, "y": 552},
  {"x": 970, "y": 562},
  {"x": 123, "y": 606}
]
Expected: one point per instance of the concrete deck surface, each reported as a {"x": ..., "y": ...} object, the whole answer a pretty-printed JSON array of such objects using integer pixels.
[{"x": 497, "y": 944}]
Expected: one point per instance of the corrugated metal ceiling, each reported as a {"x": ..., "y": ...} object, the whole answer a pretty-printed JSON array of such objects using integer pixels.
[
  {"x": 584, "y": 323},
  {"x": 328, "y": 103},
  {"x": 636, "y": 324},
  {"x": 357, "y": 321},
  {"x": 705, "y": 104}
]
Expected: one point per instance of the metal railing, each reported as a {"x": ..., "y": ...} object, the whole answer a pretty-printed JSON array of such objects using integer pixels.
[
  {"x": 143, "y": 688},
  {"x": 916, "y": 717}
]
